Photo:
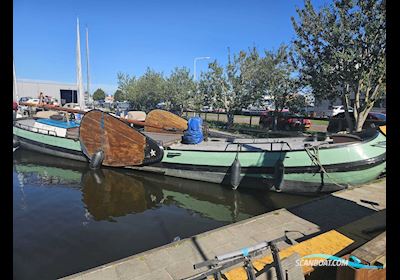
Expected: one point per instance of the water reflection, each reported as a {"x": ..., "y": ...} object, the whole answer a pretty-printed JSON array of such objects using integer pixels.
[
  {"x": 111, "y": 193},
  {"x": 96, "y": 217},
  {"x": 108, "y": 193}
]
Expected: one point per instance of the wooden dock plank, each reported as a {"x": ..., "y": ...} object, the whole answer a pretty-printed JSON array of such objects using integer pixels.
[{"x": 373, "y": 250}]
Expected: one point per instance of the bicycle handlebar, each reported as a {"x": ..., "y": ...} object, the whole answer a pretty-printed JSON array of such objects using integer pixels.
[{"x": 244, "y": 252}]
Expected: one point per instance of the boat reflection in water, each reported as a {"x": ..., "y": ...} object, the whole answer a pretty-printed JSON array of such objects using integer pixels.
[
  {"x": 108, "y": 194},
  {"x": 93, "y": 217},
  {"x": 111, "y": 193}
]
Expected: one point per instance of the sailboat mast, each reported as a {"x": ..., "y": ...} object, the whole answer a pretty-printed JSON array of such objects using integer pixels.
[
  {"x": 87, "y": 64},
  {"x": 79, "y": 68},
  {"x": 15, "y": 89}
]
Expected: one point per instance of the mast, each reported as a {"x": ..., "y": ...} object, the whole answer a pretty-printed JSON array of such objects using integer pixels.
[
  {"x": 15, "y": 89},
  {"x": 87, "y": 64},
  {"x": 81, "y": 93}
]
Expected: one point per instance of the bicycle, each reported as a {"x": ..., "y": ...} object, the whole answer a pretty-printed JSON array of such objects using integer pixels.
[{"x": 244, "y": 255}]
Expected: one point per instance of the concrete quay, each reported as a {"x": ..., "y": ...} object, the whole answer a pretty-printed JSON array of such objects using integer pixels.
[{"x": 357, "y": 212}]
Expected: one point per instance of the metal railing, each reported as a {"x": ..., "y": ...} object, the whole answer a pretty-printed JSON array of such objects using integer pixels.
[
  {"x": 253, "y": 141},
  {"x": 36, "y": 129},
  {"x": 251, "y": 120}
]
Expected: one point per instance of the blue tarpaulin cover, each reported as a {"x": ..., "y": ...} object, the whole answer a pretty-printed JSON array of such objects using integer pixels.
[
  {"x": 56, "y": 123},
  {"x": 194, "y": 133}
]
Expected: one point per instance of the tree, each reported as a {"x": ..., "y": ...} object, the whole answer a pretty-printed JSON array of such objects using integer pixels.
[
  {"x": 99, "y": 94},
  {"x": 247, "y": 78},
  {"x": 281, "y": 83},
  {"x": 273, "y": 76},
  {"x": 297, "y": 103},
  {"x": 179, "y": 89},
  {"x": 145, "y": 92},
  {"x": 237, "y": 85},
  {"x": 126, "y": 85},
  {"x": 222, "y": 88},
  {"x": 254, "y": 77},
  {"x": 119, "y": 95},
  {"x": 340, "y": 53}
]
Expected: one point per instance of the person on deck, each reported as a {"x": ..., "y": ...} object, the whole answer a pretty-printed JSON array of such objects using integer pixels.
[{"x": 41, "y": 98}]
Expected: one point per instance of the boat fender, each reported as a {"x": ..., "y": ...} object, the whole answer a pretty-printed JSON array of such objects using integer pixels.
[
  {"x": 16, "y": 142},
  {"x": 96, "y": 160},
  {"x": 279, "y": 171},
  {"x": 235, "y": 173},
  {"x": 176, "y": 238}
]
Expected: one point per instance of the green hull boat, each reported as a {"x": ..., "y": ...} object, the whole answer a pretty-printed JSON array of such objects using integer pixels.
[{"x": 296, "y": 165}]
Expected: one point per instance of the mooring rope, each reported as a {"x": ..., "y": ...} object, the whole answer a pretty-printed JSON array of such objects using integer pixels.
[{"x": 313, "y": 153}]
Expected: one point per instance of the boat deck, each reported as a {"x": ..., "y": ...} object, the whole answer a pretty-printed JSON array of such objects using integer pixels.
[
  {"x": 165, "y": 139},
  {"x": 173, "y": 141},
  {"x": 271, "y": 144}
]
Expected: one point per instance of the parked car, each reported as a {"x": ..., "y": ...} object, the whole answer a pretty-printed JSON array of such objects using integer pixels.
[
  {"x": 52, "y": 101},
  {"x": 24, "y": 99},
  {"x": 161, "y": 105},
  {"x": 71, "y": 106},
  {"x": 339, "y": 123},
  {"x": 33, "y": 101},
  {"x": 286, "y": 121},
  {"x": 219, "y": 110},
  {"x": 99, "y": 103},
  {"x": 25, "y": 109},
  {"x": 339, "y": 109},
  {"x": 253, "y": 112},
  {"x": 207, "y": 109}
]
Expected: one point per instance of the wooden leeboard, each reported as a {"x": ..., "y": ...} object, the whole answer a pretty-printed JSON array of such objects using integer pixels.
[
  {"x": 122, "y": 145},
  {"x": 383, "y": 129},
  {"x": 163, "y": 121}
]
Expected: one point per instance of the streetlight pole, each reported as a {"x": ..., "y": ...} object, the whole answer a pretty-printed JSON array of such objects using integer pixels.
[{"x": 194, "y": 64}]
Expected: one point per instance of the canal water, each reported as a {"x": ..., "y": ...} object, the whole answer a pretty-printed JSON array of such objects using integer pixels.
[{"x": 68, "y": 218}]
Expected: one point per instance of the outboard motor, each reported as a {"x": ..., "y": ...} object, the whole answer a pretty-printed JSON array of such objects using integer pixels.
[{"x": 194, "y": 133}]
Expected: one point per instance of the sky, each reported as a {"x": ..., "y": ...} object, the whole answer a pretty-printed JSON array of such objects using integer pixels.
[{"x": 127, "y": 36}]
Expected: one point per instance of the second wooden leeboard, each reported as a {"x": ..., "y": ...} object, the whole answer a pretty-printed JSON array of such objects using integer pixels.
[
  {"x": 122, "y": 145},
  {"x": 163, "y": 121}
]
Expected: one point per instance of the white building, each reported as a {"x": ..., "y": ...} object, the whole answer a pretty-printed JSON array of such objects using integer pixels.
[
  {"x": 63, "y": 92},
  {"x": 324, "y": 107}
]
